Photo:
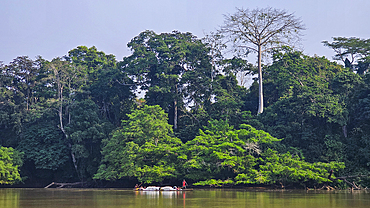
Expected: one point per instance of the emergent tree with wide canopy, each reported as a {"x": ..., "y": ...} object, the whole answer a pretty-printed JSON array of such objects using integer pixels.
[{"x": 260, "y": 30}]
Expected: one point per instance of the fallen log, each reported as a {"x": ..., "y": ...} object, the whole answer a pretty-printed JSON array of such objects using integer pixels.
[
  {"x": 344, "y": 178},
  {"x": 61, "y": 185}
]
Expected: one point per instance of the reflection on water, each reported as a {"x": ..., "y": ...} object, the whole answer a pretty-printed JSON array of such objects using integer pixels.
[
  {"x": 9, "y": 198},
  {"x": 81, "y": 198}
]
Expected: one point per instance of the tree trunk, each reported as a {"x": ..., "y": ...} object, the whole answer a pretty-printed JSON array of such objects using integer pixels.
[
  {"x": 61, "y": 185},
  {"x": 60, "y": 113},
  {"x": 260, "y": 89},
  {"x": 344, "y": 129},
  {"x": 175, "y": 110},
  {"x": 175, "y": 114}
]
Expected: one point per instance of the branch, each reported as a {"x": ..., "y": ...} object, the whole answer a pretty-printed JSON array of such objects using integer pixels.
[
  {"x": 123, "y": 83},
  {"x": 61, "y": 185},
  {"x": 344, "y": 178}
]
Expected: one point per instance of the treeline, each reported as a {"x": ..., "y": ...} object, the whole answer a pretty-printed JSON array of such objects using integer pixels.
[{"x": 78, "y": 118}]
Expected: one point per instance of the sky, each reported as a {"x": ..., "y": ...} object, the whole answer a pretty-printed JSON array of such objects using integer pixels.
[{"x": 51, "y": 28}]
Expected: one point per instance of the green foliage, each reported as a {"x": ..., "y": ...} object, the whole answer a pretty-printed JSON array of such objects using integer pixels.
[
  {"x": 221, "y": 152},
  {"x": 174, "y": 68},
  {"x": 214, "y": 183},
  {"x": 353, "y": 51},
  {"x": 10, "y": 161},
  {"x": 307, "y": 104},
  {"x": 86, "y": 132},
  {"x": 358, "y": 141},
  {"x": 60, "y": 113},
  {"x": 232, "y": 157},
  {"x": 43, "y": 144},
  {"x": 93, "y": 59},
  {"x": 110, "y": 88},
  {"x": 18, "y": 96},
  {"x": 228, "y": 100},
  {"x": 289, "y": 169},
  {"x": 144, "y": 148}
]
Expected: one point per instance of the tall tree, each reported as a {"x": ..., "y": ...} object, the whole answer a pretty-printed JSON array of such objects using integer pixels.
[
  {"x": 358, "y": 141},
  {"x": 18, "y": 87},
  {"x": 66, "y": 79},
  {"x": 86, "y": 130},
  {"x": 174, "y": 68},
  {"x": 108, "y": 86},
  {"x": 260, "y": 30},
  {"x": 354, "y": 52},
  {"x": 93, "y": 60},
  {"x": 306, "y": 103},
  {"x": 24, "y": 73}
]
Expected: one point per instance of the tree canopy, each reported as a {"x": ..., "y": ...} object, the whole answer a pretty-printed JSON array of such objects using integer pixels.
[
  {"x": 144, "y": 148},
  {"x": 261, "y": 30},
  {"x": 353, "y": 51},
  {"x": 81, "y": 118},
  {"x": 10, "y": 162}
]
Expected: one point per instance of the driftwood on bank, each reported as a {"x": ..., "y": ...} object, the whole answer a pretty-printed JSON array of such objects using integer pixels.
[
  {"x": 352, "y": 184},
  {"x": 344, "y": 178},
  {"x": 61, "y": 185}
]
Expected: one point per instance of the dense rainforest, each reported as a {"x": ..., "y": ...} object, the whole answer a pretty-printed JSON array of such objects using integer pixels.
[{"x": 176, "y": 109}]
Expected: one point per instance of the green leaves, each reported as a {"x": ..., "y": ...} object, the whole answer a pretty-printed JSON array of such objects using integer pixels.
[
  {"x": 307, "y": 100},
  {"x": 354, "y": 52},
  {"x": 232, "y": 157},
  {"x": 10, "y": 161},
  {"x": 43, "y": 144},
  {"x": 143, "y": 148},
  {"x": 174, "y": 68},
  {"x": 154, "y": 174},
  {"x": 288, "y": 168},
  {"x": 221, "y": 151}
]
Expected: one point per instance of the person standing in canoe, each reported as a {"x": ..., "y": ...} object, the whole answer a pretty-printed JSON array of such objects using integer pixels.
[{"x": 184, "y": 184}]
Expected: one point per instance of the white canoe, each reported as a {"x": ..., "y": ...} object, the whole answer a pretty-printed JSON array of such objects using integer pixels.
[
  {"x": 169, "y": 188},
  {"x": 151, "y": 188}
]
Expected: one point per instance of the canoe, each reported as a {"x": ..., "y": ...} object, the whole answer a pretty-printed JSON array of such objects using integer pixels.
[
  {"x": 149, "y": 188},
  {"x": 169, "y": 188},
  {"x": 157, "y": 188}
]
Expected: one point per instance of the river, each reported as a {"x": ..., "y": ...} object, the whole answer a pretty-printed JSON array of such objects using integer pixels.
[{"x": 113, "y": 198}]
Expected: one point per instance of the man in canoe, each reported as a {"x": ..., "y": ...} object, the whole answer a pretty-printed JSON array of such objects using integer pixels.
[{"x": 184, "y": 184}]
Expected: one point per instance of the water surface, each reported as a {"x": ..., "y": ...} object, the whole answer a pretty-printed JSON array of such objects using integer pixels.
[{"x": 83, "y": 198}]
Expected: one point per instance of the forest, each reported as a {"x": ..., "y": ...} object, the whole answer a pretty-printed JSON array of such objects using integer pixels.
[{"x": 179, "y": 108}]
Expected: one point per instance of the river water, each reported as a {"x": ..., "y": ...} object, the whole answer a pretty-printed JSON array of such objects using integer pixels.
[{"x": 107, "y": 198}]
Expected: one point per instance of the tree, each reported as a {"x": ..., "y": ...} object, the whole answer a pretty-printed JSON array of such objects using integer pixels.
[
  {"x": 108, "y": 86},
  {"x": 67, "y": 80},
  {"x": 239, "y": 68},
  {"x": 222, "y": 155},
  {"x": 144, "y": 148},
  {"x": 220, "y": 151},
  {"x": 93, "y": 60},
  {"x": 354, "y": 52},
  {"x": 44, "y": 145},
  {"x": 260, "y": 30},
  {"x": 24, "y": 71},
  {"x": 228, "y": 100},
  {"x": 174, "y": 68},
  {"x": 10, "y": 161},
  {"x": 18, "y": 87},
  {"x": 86, "y": 131},
  {"x": 287, "y": 169},
  {"x": 358, "y": 141},
  {"x": 307, "y": 103}
]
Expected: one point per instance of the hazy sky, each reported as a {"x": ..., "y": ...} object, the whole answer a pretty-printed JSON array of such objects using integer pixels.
[{"x": 51, "y": 28}]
